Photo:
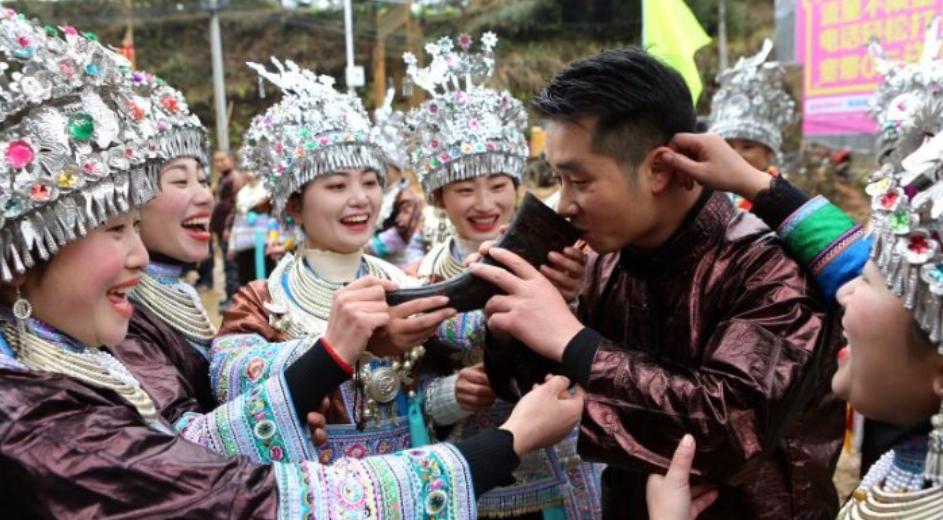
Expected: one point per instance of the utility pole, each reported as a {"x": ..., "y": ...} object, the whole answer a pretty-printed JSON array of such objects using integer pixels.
[
  {"x": 354, "y": 74},
  {"x": 219, "y": 80},
  {"x": 722, "y": 34}
]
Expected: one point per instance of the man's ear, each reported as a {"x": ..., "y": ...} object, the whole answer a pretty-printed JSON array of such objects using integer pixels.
[{"x": 662, "y": 174}]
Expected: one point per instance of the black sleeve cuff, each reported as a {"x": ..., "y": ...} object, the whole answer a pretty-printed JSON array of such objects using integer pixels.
[
  {"x": 578, "y": 355},
  {"x": 774, "y": 205},
  {"x": 491, "y": 459},
  {"x": 311, "y": 377}
]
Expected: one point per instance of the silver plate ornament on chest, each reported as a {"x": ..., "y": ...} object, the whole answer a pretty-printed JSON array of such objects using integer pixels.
[{"x": 383, "y": 384}]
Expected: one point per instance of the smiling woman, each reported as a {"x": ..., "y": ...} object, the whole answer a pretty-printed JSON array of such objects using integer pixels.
[
  {"x": 334, "y": 190},
  {"x": 467, "y": 143}
]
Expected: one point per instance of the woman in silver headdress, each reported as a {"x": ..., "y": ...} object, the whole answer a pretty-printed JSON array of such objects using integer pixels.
[
  {"x": 323, "y": 169},
  {"x": 468, "y": 147},
  {"x": 750, "y": 110}
]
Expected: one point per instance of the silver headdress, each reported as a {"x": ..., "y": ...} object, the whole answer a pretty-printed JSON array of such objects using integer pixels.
[
  {"x": 466, "y": 129},
  {"x": 314, "y": 130},
  {"x": 751, "y": 102},
  {"x": 82, "y": 137},
  {"x": 907, "y": 205},
  {"x": 388, "y": 131},
  {"x": 907, "y": 87}
]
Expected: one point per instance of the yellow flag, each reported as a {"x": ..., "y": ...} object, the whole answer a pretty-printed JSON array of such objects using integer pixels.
[{"x": 671, "y": 33}]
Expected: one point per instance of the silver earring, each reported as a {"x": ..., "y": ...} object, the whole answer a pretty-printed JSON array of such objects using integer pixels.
[
  {"x": 933, "y": 468},
  {"x": 22, "y": 310}
]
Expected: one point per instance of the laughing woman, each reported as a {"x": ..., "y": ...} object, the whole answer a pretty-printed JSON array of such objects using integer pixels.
[
  {"x": 325, "y": 172},
  {"x": 468, "y": 146},
  {"x": 80, "y": 435}
]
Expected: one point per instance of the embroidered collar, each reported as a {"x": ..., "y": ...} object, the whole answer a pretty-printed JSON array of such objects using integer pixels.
[{"x": 164, "y": 267}]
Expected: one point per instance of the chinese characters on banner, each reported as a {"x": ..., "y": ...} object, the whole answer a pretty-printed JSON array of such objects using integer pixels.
[{"x": 839, "y": 73}]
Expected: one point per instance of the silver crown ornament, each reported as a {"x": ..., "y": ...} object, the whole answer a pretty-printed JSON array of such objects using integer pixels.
[
  {"x": 314, "y": 130},
  {"x": 82, "y": 137},
  {"x": 906, "y": 88},
  {"x": 751, "y": 102},
  {"x": 466, "y": 129}
]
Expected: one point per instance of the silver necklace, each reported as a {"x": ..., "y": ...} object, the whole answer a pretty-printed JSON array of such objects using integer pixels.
[
  {"x": 176, "y": 307},
  {"x": 90, "y": 365}
]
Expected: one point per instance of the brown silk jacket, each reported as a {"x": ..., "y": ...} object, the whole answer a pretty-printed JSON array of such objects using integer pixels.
[
  {"x": 69, "y": 450},
  {"x": 715, "y": 334},
  {"x": 172, "y": 372}
]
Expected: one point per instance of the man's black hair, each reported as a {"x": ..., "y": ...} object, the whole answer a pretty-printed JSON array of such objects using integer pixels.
[{"x": 638, "y": 102}]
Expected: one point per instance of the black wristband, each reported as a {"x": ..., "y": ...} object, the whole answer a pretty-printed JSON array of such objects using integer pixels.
[
  {"x": 311, "y": 377},
  {"x": 578, "y": 355},
  {"x": 774, "y": 205},
  {"x": 491, "y": 459}
]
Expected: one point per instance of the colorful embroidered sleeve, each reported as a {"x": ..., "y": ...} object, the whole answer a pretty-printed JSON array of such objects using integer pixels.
[
  {"x": 464, "y": 331},
  {"x": 241, "y": 362},
  {"x": 418, "y": 484},
  {"x": 261, "y": 424},
  {"x": 825, "y": 239}
]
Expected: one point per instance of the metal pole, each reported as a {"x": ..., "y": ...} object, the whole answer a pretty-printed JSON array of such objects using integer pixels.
[
  {"x": 722, "y": 34},
  {"x": 349, "y": 37},
  {"x": 219, "y": 81}
]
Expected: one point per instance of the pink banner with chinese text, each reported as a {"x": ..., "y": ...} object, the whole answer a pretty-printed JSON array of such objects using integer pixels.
[{"x": 839, "y": 75}]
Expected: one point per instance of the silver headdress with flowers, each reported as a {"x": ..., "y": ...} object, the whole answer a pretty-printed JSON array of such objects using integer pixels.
[
  {"x": 466, "y": 129},
  {"x": 314, "y": 130},
  {"x": 907, "y": 205},
  {"x": 907, "y": 88},
  {"x": 751, "y": 102},
  {"x": 82, "y": 137}
]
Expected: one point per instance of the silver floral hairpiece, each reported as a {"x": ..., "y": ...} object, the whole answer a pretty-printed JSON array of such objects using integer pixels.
[
  {"x": 466, "y": 129},
  {"x": 313, "y": 131},
  {"x": 906, "y": 87},
  {"x": 82, "y": 137},
  {"x": 751, "y": 102}
]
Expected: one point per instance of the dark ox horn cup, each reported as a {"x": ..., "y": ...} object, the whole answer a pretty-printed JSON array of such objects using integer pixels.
[{"x": 535, "y": 231}]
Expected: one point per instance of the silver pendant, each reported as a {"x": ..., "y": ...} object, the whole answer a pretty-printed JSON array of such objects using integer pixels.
[{"x": 383, "y": 384}]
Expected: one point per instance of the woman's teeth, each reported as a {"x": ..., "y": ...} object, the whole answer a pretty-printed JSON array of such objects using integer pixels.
[
  {"x": 483, "y": 221},
  {"x": 120, "y": 293},
  {"x": 202, "y": 223},
  {"x": 356, "y": 219}
]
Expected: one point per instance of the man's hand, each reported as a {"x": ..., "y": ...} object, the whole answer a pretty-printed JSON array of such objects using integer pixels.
[
  {"x": 533, "y": 311},
  {"x": 565, "y": 271},
  {"x": 545, "y": 415},
  {"x": 409, "y": 326},
  {"x": 356, "y": 311},
  {"x": 473, "y": 390},
  {"x": 670, "y": 496},
  {"x": 709, "y": 160}
]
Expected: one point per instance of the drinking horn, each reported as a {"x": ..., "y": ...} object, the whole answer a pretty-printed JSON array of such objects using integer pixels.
[{"x": 535, "y": 231}]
